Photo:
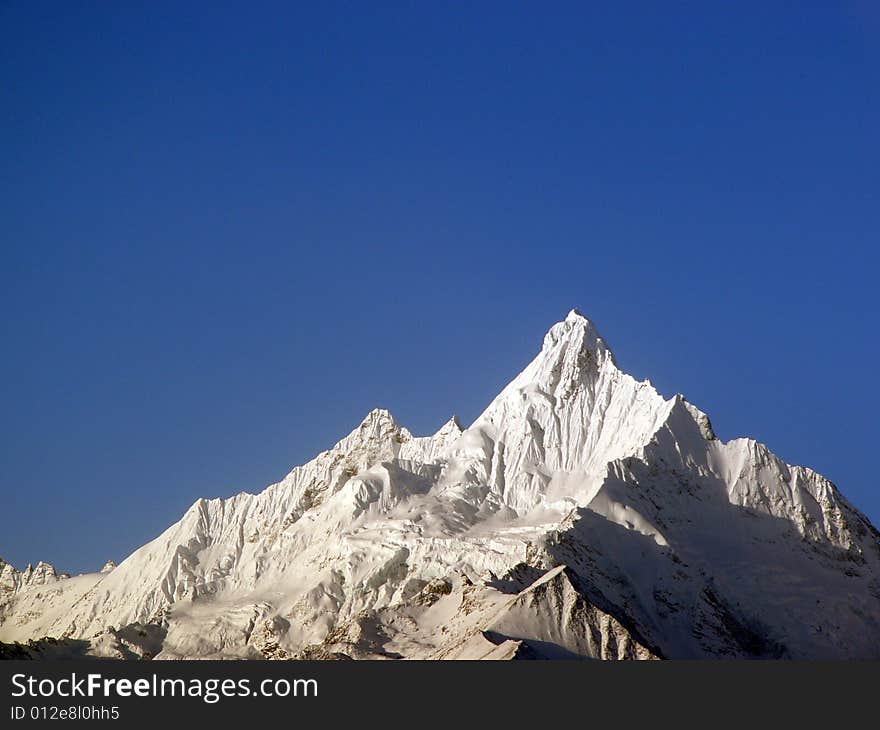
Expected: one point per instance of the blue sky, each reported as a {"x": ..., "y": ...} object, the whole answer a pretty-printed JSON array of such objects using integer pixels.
[{"x": 230, "y": 230}]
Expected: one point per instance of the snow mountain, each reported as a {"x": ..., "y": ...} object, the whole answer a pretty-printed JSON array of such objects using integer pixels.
[{"x": 582, "y": 515}]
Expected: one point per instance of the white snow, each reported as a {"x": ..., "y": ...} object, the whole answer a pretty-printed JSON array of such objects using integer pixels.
[{"x": 674, "y": 543}]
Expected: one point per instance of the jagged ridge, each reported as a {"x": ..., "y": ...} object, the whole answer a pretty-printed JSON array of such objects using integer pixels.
[{"x": 676, "y": 544}]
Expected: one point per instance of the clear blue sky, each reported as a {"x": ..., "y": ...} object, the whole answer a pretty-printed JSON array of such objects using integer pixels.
[{"x": 230, "y": 230}]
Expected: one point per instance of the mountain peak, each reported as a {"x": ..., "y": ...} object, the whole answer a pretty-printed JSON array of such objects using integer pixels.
[
  {"x": 571, "y": 351},
  {"x": 378, "y": 426},
  {"x": 578, "y": 331},
  {"x": 453, "y": 425},
  {"x": 672, "y": 540},
  {"x": 378, "y": 415}
]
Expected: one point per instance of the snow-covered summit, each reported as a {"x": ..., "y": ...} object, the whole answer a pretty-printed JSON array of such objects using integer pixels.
[
  {"x": 581, "y": 514},
  {"x": 580, "y": 332}
]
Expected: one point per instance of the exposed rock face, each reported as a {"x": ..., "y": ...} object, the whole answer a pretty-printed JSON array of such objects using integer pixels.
[{"x": 581, "y": 515}]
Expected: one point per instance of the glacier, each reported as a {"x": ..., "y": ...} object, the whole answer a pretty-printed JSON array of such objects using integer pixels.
[{"x": 581, "y": 515}]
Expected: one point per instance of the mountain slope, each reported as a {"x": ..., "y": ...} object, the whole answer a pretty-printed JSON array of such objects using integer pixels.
[{"x": 674, "y": 543}]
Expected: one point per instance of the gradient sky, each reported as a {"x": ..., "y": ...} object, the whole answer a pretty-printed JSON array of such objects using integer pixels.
[{"x": 229, "y": 231}]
